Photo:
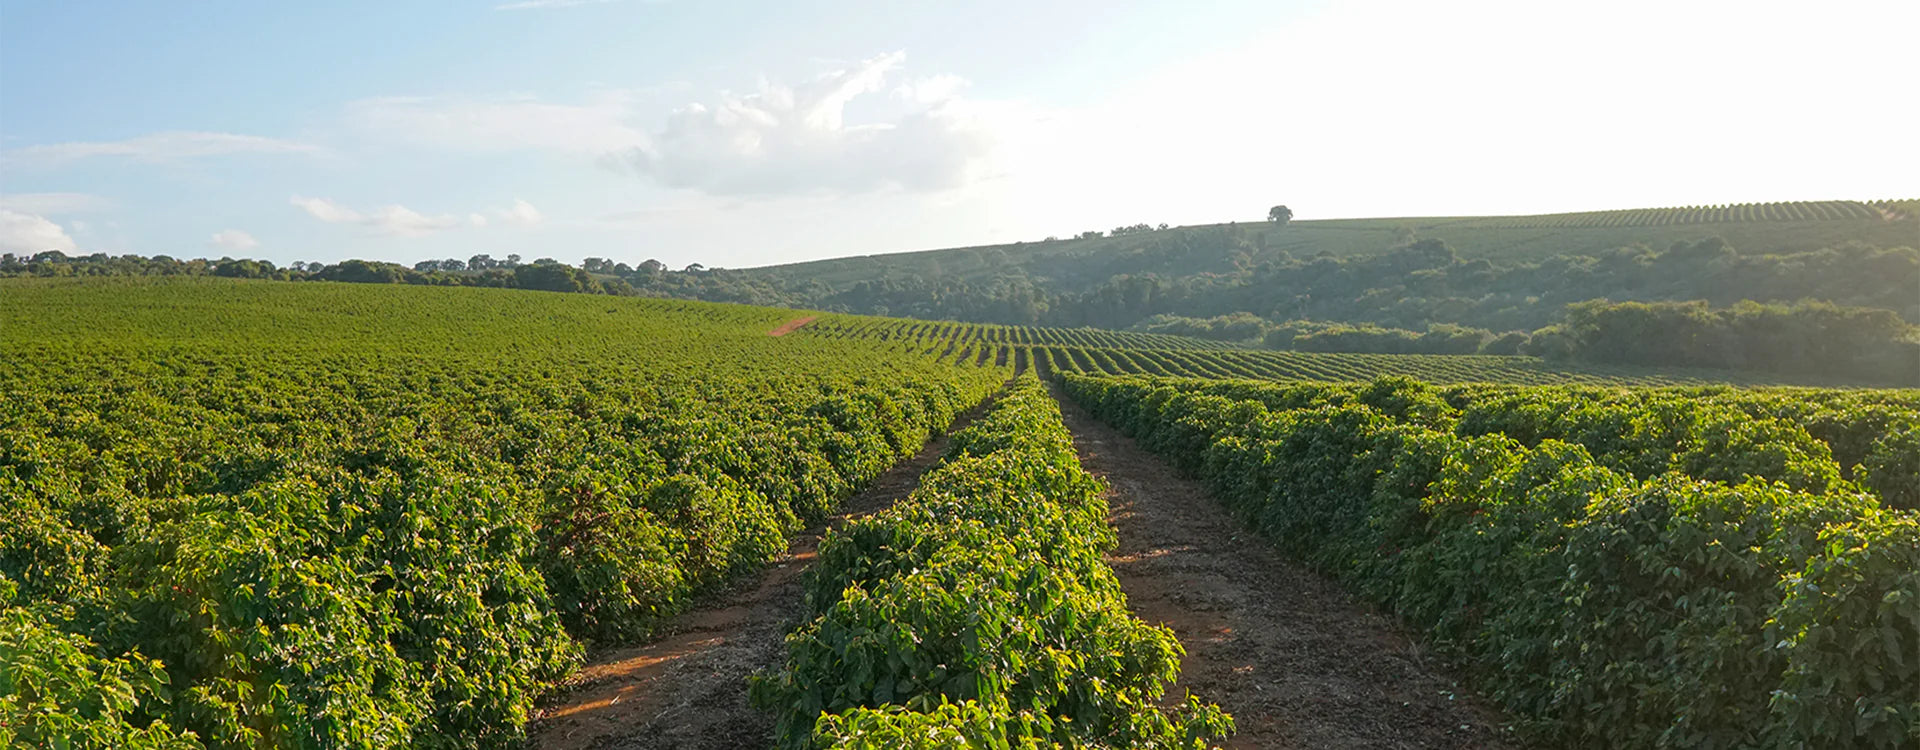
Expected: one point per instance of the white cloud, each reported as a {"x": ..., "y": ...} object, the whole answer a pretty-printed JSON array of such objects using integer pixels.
[
  {"x": 787, "y": 140},
  {"x": 154, "y": 148},
  {"x": 53, "y": 203},
  {"x": 400, "y": 221},
  {"x": 932, "y": 90},
  {"x": 502, "y": 123},
  {"x": 522, "y": 213},
  {"x": 544, "y": 4},
  {"x": 327, "y": 211},
  {"x": 234, "y": 239},
  {"x": 396, "y": 220},
  {"x": 26, "y": 234}
]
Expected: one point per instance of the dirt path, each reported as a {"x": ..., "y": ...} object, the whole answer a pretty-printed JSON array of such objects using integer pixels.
[
  {"x": 1297, "y": 661},
  {"x": 688, "y": 688},
  {"x": 791, "y": 326}
]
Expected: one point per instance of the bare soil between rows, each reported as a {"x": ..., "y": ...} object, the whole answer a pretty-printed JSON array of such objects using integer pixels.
[
  {"x": 1299, "y": 662},
  {"x": 687, "y": 689},
  {"x": 791, "y": 326}
]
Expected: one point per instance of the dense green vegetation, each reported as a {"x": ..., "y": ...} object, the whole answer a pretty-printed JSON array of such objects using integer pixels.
[
  {"x": 980, "y": 612},
  {"x": 243, "y": 512},
  {"x": 1090, "y": 351},
  {"x": 1622, "y": 568},
  {"x": 1812, "y": 338},
  {"x": 247, "y": 514}
]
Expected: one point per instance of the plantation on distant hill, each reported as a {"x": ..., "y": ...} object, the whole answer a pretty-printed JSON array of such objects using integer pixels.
[
  {"x": 1754, "y": 228},
  {"x": 1492, "y": 273}
]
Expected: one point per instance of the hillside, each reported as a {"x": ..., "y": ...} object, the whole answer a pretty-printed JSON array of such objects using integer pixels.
[
  {"x": 1752, "y": 228},
  {"x": 1834, "y": 283},
  {"x": 1490, "y": 274}
]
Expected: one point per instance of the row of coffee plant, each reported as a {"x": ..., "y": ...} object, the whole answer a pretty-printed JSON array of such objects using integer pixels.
[
  {"x": 980, "y": 612},
  {"x": 1635, "y": 570}
]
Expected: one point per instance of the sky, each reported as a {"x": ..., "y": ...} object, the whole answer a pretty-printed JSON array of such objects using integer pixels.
[{"x": 738, "y": 134}]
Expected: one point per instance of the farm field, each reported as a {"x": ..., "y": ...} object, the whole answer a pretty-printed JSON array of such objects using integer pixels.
[
  {"x": 1098, "y": 352},
  {"x": 344, "y": 516},
  {"x": 251, "y": 513},
  {"x": 1617, "y": 568}
]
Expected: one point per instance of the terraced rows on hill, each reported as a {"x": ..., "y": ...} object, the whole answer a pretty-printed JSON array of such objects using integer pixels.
[
  {"x": 1678, "y": 215},
  {"x": 1097, "y": 352}
]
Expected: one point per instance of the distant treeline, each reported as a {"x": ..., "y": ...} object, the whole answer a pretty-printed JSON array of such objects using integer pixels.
[
  {"x": 545, "y": 274},
  {"x": 1544, "y": 309},
  {"x": 1803, "y": 338}
]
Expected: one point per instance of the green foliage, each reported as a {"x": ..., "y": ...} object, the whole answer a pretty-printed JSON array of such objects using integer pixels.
[
  {"x": 56, "y": 693},
  {"x": 1850, "y": 633},
  {"x": 1093, "y": 352},
  {"x": 1807, "y": 337},
  {"x": 325, "y": 515},
  {"x": 1892, "y": 468},
  {"x": 980, "y": 612},
  {"x": 1623, "y": 568}
]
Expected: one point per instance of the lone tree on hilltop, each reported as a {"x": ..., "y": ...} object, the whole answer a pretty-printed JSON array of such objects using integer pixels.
[{"x": 1280, "y": 215}]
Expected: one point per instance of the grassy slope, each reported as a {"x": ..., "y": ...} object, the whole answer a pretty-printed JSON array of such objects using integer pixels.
[{"x": 1498, "y": 238}]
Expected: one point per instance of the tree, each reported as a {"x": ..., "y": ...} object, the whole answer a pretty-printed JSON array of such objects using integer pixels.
[
  {"x": 1280, "y": 215},
  {"x": 553, "y": 277}
]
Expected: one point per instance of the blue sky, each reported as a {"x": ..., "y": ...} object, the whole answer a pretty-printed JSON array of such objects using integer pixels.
[{"x": 738, "y": 134}]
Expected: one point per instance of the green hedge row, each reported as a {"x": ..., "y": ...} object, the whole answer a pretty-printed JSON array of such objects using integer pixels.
[
  {"x": 980, "y": 612},
  {"x": 1815, "y": 440},
  {"x": 1606, "y": 609}
]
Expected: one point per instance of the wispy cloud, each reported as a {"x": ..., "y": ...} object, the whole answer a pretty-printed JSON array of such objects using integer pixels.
[
  {"x": 54, "y": 203},
  {"x": 233, "y": 239},
  {"x": 400, "y": 221},
  {"x": 154, "y": 148},
  {"x": 545, "y": 4},
  {"x": 27, "y": 234},
  {"x": 396, "y": 220},
  {"x": 522, "y": 213}
]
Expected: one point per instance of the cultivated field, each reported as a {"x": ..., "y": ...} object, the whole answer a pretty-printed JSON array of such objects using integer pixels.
[
  {"x": 1087, "y": 351},
  {"x": 320, "y": 515}
]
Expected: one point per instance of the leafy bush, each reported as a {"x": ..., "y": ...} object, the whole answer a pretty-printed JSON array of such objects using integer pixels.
[
  {"x": 326, "y": 515},
  {"x": 980, "y": 612},
  {"x": 1695, "y": 605}
]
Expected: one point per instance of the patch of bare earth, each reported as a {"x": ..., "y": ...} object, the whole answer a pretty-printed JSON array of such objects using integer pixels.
[
  {"x": 1297, "y": 661},
  {"x": 687, "y": 689},
  {"x": 791, "y": 326}
]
